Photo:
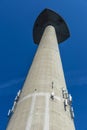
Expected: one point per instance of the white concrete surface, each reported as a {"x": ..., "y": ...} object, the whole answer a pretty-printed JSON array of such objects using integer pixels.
[{"x": 35, "y": 109}]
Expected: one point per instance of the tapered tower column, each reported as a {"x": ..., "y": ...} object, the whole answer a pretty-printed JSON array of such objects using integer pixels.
[{"x": 44, "y": 103}]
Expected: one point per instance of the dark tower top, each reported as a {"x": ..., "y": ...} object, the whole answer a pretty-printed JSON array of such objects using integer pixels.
[{"x": 49, "y": 17}]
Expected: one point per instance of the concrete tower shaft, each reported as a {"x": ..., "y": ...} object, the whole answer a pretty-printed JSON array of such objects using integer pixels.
[{"x": 43, "y": 104}]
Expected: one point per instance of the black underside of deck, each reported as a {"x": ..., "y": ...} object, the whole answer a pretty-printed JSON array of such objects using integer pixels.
[{"x": 49, "y": 17}]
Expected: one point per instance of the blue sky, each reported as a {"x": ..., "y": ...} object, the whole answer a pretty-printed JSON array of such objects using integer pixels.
[{"x": 17, "y": 51}]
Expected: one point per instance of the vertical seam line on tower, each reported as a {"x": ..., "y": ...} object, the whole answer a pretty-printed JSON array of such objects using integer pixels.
[
  {"x": 29, "y": 121},
  {"x": 46, "y": 116}
]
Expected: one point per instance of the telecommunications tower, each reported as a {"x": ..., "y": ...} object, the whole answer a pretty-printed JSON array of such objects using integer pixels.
[{"x": 44, "y": 102}]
